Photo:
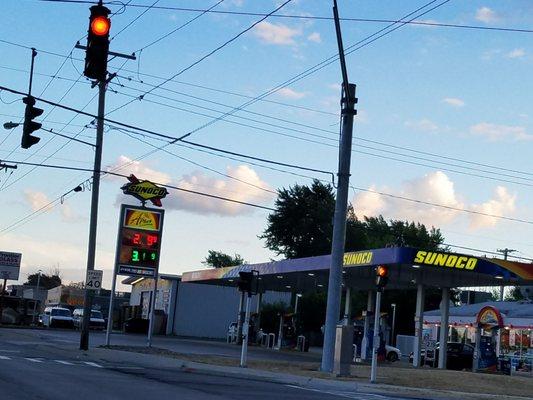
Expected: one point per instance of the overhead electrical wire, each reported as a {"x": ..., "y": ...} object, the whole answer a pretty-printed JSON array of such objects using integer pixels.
[
  {"x": 173, "y": 140},
  {"x": 209, "y": 54},
  {"x": 316, "y": 17}
]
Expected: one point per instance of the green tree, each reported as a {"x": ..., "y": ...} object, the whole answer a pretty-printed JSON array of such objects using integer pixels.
[
  {"x": 302, "y": 226},
  {"x": 514, "y": 294},
  {"x": 218, "y": 259},
  {"x": 46, "y": 281}
]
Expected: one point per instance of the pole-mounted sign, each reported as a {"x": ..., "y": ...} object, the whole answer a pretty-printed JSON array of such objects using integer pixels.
[
  {"x": 144, "y": 191},
  {"x": 139, "y": 241},
  {"x": 10, "y": 265}
]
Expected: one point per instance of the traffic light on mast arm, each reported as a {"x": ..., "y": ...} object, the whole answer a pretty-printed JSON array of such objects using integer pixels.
[
  {"x": 245, "y": 282},
  {"x": 382, "y": 277},
  {"x": 30, "y": 126},
  {"x": 97, "y": 43}
]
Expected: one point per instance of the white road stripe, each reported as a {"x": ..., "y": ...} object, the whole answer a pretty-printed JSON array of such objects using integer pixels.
[
  {"x": 63, "y": 362},
  {"x": 4, "y": 358},
  {"x": 348, "y": 395},
  {"x": 35, "y": 360},
  {"x": 92, "y": 364}
]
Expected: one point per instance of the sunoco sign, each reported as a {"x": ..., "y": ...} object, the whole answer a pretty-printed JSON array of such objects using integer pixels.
[{"x": 144, "y": 191}]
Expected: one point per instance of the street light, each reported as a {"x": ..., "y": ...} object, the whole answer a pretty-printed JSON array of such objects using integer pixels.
[
  {"x": 34, "y": 299},
  {"x": 11, "y": 125},
  {"x": 298, "y": 295},
  {"x": 393, "y": 305}
]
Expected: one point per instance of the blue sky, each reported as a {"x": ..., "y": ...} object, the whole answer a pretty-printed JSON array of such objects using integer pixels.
[{"x": 460, "y": 93}]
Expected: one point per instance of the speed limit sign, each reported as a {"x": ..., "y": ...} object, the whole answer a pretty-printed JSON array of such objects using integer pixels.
[{"x": 94, "y": 280}]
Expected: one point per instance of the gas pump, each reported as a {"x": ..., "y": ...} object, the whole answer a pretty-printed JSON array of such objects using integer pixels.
[{"x": 489, "y": 322}]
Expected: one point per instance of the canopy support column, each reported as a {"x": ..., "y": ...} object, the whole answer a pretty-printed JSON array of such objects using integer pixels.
[
  {"x": 368, "y": 317},
  {"x": 444, "y": 317},
  {"x": 419, "y": 320}
]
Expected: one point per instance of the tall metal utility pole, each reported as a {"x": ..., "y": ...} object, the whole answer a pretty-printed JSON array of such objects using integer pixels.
[
  {"x": 505, "y": 253},
  {"x": 34, "y": 297},
  {"x": 95, "y": 192},
  {"x": 341, "y": 205}
]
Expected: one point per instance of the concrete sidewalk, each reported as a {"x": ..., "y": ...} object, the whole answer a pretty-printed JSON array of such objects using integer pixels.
[{"x": 156, "y": 358}]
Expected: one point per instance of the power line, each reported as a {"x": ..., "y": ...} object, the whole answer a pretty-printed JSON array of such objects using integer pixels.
[
  {"x": 63, "y": 196},
  {"x": 246, "y": 156},
  {"x": 311, "y": 70},
  {"x": 209, "y": 54},
  {"x": 202, "y": 12},
  {"x": 173, "y": 140},
  {"x": 484, "y": 251},
  {"x": 442, "y": 205},
  {"x": 205, "y": 167},
  {"x": 357, "y": 138},
  {"x": 321, "y": 18},
  {"x": 134, "y": 19}
]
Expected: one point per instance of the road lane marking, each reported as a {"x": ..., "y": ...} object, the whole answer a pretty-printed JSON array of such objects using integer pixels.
[
  {"x": 92, "y": 364},
  {"x": 35, "y": 360},
  {"x": 5, "y": 358},
  {"x": 63, "y": 362}
]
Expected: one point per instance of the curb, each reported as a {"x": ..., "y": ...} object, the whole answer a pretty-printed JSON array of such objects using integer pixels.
[{"x": 315, "y": 383}]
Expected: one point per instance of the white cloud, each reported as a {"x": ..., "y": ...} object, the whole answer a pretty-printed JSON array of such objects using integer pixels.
[
  {"x": 315, "y": 37},
  {"x": 39, "y": 200},
  {"x": 291, "y": 94},
  {"x": 36, "y": 200},
  {"x": 369, "y": 204},
  {"x": 128, "y": 166},
  {"x": 516, "y": 53},
  {"x": 495, "y": 132},
  {"x": 244, "y": 185},
  {"x": 277, "y": 34},
  {"x": 436, "y": 188},
  {"x": 424, "y": 125},
  {"x": 503, "y": 203},
  {"x": 453, "y": 101},
  {"x": 486, "y": 15},
  {"x": 236, "y": 190}
]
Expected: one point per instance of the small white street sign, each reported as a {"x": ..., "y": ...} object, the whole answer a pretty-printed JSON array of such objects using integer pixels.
[{"x": 94, "y": 280}]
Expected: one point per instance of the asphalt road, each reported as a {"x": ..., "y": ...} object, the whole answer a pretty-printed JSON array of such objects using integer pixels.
[
  {"x": 186, "y": 346},
  {"x": 47, "y": 365}
]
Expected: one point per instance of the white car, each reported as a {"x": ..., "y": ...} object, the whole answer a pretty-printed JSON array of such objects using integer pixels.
[
  {"x": 57, "y": 317},
  {"x": 393, "y": 354},
  {"x": 97, "y": 320}
]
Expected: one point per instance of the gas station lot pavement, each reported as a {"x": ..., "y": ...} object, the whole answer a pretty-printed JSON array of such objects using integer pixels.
[{"x": 219, "y": 363}]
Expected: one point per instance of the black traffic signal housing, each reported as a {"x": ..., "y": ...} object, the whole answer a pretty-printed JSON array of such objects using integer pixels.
[
  {"x": 97, "y": 43},
  {"x": 30, "y": 126},
  {"x": 245, "y": 282},
  {"x": 382, "y": 277}
]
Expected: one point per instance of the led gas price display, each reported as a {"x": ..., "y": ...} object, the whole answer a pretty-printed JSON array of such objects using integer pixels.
[{"x": 139, "y": 241}]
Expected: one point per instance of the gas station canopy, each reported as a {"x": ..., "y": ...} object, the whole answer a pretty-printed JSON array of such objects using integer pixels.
[{"x": 408, "y": 267}]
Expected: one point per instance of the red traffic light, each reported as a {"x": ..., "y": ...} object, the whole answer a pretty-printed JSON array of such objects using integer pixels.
[
  {"x": 382, "y": 271},
  {"x": 100, "y": 26}
]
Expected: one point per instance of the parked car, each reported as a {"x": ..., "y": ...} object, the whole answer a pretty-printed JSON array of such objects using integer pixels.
[
  {"x": 136, "y": 325},
  {"x": 393, "y": 353},
  {"x": 57, "y": 317},
  {"x": 97, "y": 320},
  {"x": 459, "y": 356}
]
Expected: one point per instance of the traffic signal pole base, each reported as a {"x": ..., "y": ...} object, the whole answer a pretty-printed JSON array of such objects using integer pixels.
[
  {"x": 376, "y": 343},
  {"x": 245, "y": 333}
]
